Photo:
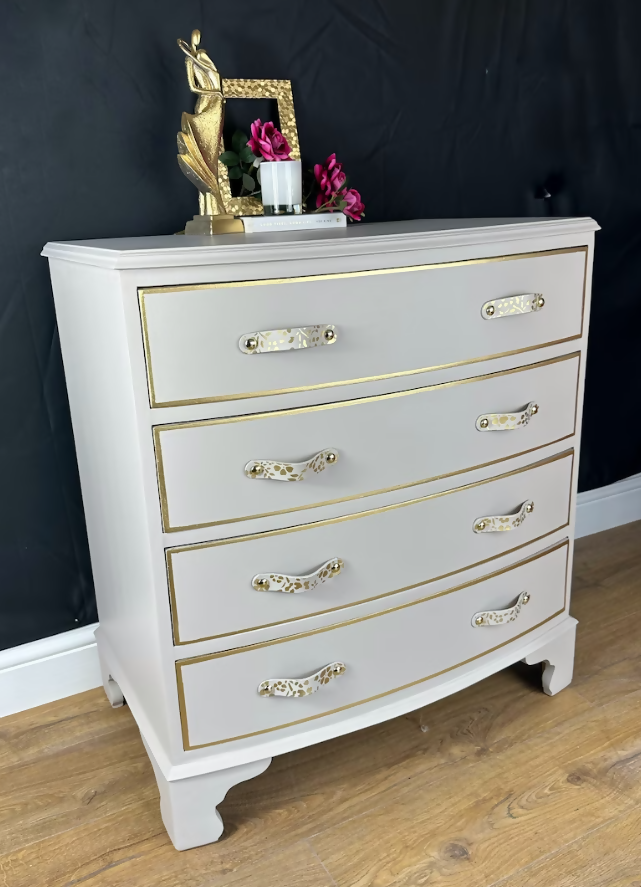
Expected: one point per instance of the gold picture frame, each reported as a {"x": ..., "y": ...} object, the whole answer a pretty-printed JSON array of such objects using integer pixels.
[{"x": 281, "y": 90}]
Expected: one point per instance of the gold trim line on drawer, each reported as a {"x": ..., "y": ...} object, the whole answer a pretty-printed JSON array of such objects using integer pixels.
[
  {"x": 144, "y": 291},
  {"x": 182, "y": 663},
  {"x": 171, "y": 552},
  {"x": 159, "y": 429}
]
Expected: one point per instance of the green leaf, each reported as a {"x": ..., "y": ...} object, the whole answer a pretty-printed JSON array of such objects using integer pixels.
[
  {"x": 248, "y": 182},
  {"x": 229, "y": 158},
  {"x": 247, "y": 155},
  {"x": 238, "y": 141},
  {"x": 258, "y": 173},
  {"x": 341, "y": 204},
  {"x": 235, "y": 172}
]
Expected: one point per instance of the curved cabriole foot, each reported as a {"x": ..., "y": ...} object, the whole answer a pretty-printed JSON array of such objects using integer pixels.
[
  {"x": 558, "y": 658},
  {"x": 188, "y": 806}
]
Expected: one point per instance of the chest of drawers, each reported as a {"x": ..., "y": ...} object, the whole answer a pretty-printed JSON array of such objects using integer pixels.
[{"x": 328, "y": 477}]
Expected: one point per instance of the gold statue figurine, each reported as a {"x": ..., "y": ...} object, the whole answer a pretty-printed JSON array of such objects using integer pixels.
[{"x": 200, "y": 142}]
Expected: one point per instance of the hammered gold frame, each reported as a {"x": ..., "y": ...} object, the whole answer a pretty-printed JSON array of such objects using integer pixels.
[{"x": 281, "y": 90}]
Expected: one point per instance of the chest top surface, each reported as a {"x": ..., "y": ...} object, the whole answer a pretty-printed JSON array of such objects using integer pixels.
[{"x": 176, "y": 251}]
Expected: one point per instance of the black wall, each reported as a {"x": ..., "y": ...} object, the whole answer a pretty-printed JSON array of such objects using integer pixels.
[{"x": 438, "y": 108}]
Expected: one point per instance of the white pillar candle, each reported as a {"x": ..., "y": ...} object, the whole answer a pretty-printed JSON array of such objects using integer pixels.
[{"x": 281, "y": 186}]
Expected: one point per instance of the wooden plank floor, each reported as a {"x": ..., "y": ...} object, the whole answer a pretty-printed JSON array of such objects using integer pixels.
[{"x": 498, "y": 784}]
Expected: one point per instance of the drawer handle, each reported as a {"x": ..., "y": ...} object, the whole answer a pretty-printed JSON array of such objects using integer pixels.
[
  {"x": 264, "y": 468},
  {"x": 496, "y": 523},
  {"x": 506, "y": 421},
  {"x": 288, "y": 340},
  {"x": 501, "y": 617},
  {"x": 524, "y": 304},
  {"x": 297, "y": 584},
  {"x": 302, "y": 686}
]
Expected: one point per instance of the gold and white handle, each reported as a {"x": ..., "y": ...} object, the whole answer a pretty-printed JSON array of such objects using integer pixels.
[
  {"x": 524, "y": 304},
  {"x": 506, "y": 421},
  {"x": 302, "y": 686},
  {"x": 497, "y": 523},
  {"x": 292, "y": 339},
  {"x": 272, "y": 470},
  {"x": 501, "y": 617},
  {"x": 296, "y": 584}
]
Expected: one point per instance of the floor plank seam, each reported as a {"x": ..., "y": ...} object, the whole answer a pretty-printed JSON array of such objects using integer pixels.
[
  {"x": 220, "y": 880},
  {"x": 446, "y": 768},
  {"x": 558, "y": 850},
  {"x": 321, "y": 863},
  {"x": 135, "y": 802},
  {"x": 470, "y": 761},
  {"x": 582, "y": 684},
  {"x": 104, "y": 868},
  {"x": 49, "y": 753}
]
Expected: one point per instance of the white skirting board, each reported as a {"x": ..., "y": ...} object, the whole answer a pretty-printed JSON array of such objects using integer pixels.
[
  {"x": 49, "y": 669},
  {"x": 608, "y": 507},
  {"x": 67, "y": 663}
]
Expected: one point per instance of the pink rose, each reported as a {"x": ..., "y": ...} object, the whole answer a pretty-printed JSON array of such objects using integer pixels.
[
  {"x": 330, "y": 178},
  {"x": 267, "y": 142},
  {"x": 331, "y": 182},
  {"x": 355, "y": 207}
]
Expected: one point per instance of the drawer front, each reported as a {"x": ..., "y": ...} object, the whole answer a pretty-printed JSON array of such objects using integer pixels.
[
  {"x": 213, "y": 587},
  {"x": 427, "y": 433},
  {"x": 382, "y": 654},
  {"x": 387, "y": 323}
]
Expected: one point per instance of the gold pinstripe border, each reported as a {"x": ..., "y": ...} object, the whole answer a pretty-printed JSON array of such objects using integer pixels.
[
  {"x": 170, "y": 553},
  {"x": 159, "y": 429},
  {"x": 183, "y": 663},
  {"x": 145, "y": 291}
]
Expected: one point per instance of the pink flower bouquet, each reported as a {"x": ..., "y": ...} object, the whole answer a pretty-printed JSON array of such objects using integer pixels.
[
  {"x": 266, "y": 143},
  {"x": 333, "y": 193}
]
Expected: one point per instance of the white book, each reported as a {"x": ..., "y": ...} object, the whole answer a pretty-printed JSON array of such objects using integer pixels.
[{"x": 310, "y": 221}]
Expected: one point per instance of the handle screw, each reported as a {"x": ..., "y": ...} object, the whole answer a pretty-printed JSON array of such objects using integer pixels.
[
  {"x": 490, "y": 310},
  {"x": 484, "y": 423},
  {"x": 251, "y": 344},
  {"x": 529, "y": 507},
  {"x": 330, "y": 458},
  {"x": 255, "y": 470},
  {"x": 479, "y": 620},
  {"x": 329, "y": 335},
  {"x": 534, "y": 409},
  {"x": 526, "y": 598},
  {"x": 481, "y": 525},
  {"x": 336, "y": 567},
  {"x": 540, "y": 302}
]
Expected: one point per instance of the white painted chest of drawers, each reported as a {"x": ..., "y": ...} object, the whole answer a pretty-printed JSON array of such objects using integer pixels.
[{"x": 428, "y": 444}]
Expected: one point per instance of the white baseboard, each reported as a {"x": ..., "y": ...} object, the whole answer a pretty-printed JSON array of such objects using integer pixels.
[
  {"x": 49, "y": 669},
  {"x": 67, "y": 663},
  {"x": 608, "y": 507}
]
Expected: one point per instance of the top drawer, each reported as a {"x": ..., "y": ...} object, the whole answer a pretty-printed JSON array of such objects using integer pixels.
[{"x": 389, "y": 322}]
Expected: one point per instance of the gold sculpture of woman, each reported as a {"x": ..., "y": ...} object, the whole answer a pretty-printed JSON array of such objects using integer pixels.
[{"x": 200, "y": 141}]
